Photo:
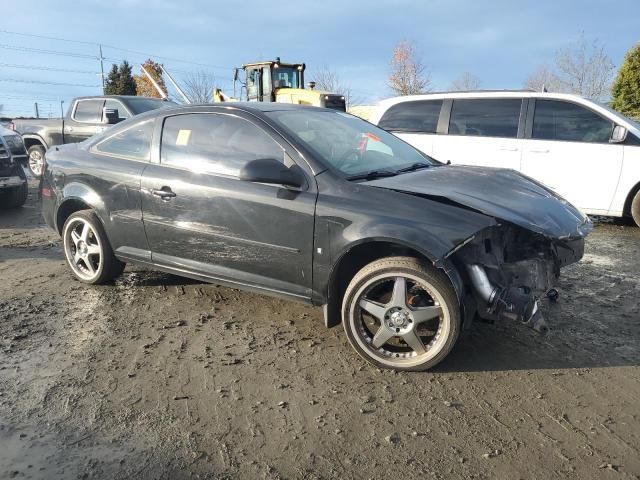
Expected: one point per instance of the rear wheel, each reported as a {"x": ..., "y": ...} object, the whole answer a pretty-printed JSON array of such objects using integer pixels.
[
  {"x": 87, "y": 249},
  {"x": 36, "y": 160},
  {"x": 401, "y": 313},
  {"x": 635, "y": 209}
]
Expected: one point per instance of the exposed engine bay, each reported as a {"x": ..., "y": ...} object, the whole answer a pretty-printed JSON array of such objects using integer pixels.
[{"x": 509, "y": 269}]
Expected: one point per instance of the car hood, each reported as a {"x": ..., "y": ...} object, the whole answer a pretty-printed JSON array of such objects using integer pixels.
[{"x": 503, "y": 194}]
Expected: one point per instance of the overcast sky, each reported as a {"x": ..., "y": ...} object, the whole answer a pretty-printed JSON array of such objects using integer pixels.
[{"x": 501, "y": 42}]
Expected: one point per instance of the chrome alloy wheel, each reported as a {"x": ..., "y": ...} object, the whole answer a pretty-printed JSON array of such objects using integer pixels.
[
  {"x": 36, "y": 162},
  {"x": 82, "y": 248},
  {"x": 400, "y": 319}
]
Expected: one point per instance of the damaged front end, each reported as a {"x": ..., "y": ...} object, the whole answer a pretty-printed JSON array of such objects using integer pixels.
[{"x": 509, "y": 269}]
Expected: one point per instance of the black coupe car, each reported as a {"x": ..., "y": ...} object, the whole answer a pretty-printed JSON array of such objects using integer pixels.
[{"x": 318, "y": 206}]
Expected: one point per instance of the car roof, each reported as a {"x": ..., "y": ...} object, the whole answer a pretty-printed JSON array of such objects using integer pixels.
[
  {"x": 384, "y": 105},
  {"x": 260, "y": 106},
  {"x": 252, "y": 107},
  {"x": 116, "y": 97},
  {"x": 482, "y": 94}
]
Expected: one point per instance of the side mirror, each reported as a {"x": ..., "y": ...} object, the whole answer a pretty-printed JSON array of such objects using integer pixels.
[
  {"x": 270, "y": 170},
  {"x": 618, "y": 135},
  {"x": 111, "y": 115}
]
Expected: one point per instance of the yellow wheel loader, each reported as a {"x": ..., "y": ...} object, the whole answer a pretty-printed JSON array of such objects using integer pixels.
[{"x": 274, "y": 81}]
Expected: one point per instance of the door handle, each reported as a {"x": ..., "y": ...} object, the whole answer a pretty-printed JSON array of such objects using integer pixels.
[
  {"x": 540, "y": 151},
  {"x": 506, "y": 149},
  {"x": 164, "y": 193},
  {"x": 69, "y": 129}
]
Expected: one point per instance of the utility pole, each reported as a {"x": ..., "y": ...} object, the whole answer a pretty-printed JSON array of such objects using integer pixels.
[
  {"x": 61, "y": 109},
  {"x": 102, "y": 68},
  {"x": 35, "y": 108}
]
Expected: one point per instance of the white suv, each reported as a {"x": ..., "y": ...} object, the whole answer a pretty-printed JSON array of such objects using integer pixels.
[{"x": 584, "y": 151}]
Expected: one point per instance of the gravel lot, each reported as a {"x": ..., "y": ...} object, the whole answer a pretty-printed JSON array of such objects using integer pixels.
[{"x": 157, "y": 376}]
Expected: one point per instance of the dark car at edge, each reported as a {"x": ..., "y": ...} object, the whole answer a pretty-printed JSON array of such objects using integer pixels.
[{"x": 317, "y": 206}]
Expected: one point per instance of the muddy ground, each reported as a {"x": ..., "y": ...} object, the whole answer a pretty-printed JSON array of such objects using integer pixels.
[{"x": 161, "y": 377}]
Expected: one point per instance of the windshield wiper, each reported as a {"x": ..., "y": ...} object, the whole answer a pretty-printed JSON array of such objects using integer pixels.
[
  {"x": 373, "y": 174},
  {"x": 413, "y": 167}
]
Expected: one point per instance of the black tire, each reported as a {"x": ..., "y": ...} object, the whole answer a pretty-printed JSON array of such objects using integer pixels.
[
  {"x": 35, "y": 155},
  {"x": 635, "y": 209},
  {"x": 17, "y": 196},
  {"x": 107, "y": 267},
  {"x": 419, "y": 274}
]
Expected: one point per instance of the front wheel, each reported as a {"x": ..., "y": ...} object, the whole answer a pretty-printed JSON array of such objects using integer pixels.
[
  {"x": 635, "y": 209},
  {"x": 87, "y": 249},
  {"x": 36, "y": 160},
  {"x": 401, "y": 313}
]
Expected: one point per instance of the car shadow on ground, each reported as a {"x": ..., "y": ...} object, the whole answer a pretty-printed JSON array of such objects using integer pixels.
[
  {"x": 514, "y": 347},
  {"x": 600, "y": 341}
]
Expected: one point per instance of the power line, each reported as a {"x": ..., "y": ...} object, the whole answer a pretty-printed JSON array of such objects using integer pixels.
[
  {"x": 15, "y": 80},
  {"x": 113, "y": 47},
  {"x": 48, "y": 52},
  {"x": 47, "y": 38},
  {"x": 49, "y": 69}
]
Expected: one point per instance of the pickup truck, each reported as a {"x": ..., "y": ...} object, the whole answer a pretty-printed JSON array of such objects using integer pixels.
[{"x": 85, "y": 117}]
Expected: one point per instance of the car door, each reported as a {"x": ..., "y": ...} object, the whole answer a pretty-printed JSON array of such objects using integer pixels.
[
  {"x": 200, "y": 217},
  {"x": 483, "y": 132},
  {"x": 415, "y": 122},
  {"x": 568, "y": 150},
  {"x": 86, "y": 120},
  {"x": 114, "y": 171}
]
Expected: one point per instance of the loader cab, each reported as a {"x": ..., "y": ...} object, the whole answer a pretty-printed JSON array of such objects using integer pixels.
[
  {"x": 274, "y": 81},
  {"x": 265, "y": 80}
]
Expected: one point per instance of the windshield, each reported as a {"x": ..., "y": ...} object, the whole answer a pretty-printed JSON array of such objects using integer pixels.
[
  {"x": 632, "y": 121},
  {"x": 142, "y": 104},
  {"x": 285, "y": 77},
  {"x": 347, "y": 143}
]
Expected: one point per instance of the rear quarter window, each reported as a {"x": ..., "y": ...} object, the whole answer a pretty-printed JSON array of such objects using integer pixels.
[
  {"x": 133, "y": 142},
  {"x": 419, "y": 117}
]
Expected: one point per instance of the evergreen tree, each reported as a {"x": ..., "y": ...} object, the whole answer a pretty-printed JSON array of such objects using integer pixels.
[
  {"x": 126, "y": 84},
  {"x": 625, "y": 93},
  {"x": 113, "y": 78},
  {"x": 120, "y": 80}
]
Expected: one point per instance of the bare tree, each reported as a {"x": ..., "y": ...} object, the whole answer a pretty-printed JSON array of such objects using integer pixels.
[
  {"x": 198, "y": 87},
  {"x": 408, "y": 74},
  {"x": 466, "y": 81},
  {"x": 581, "y": 69},
  {"x": 585, "y": 69},
  {"x": 328, "y": 80},
  {"x": 543, "y": 79}
]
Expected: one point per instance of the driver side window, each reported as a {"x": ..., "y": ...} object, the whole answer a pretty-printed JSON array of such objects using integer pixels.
[
  {"x": 556, "y": 120},
  {"x": 214, "y": 143}
]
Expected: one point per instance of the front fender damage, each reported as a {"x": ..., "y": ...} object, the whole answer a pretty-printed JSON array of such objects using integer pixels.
[{"x": 508, "y": 269}]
